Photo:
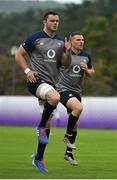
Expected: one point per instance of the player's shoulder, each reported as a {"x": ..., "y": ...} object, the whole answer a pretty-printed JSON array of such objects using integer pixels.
[
  {"x": 59, "y": 37},
  {"x": 36, "y": 35},
  {"x": 85, "y": 53}
]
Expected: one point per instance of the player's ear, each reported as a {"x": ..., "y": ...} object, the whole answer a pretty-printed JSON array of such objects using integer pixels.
[{"x": 44, "y": 22}]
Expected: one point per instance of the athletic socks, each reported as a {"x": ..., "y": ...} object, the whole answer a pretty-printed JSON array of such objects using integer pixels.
[
  {"x": 72, "y": 120},
  {"x": 68, "y": 149},
  {"x": 74, "y": 134},
  {"x": 48, "y": 109},
  {"x": 41, "y": 148}
]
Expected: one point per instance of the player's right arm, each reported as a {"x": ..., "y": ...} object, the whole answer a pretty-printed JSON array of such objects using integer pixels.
[
  {"x": 67, "y": 55},
  {"x": 20, "y": 59}
]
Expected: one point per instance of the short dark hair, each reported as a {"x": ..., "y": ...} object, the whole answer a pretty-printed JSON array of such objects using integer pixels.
[
  {"x": 75, "y": 33},
  {"x": 49, "y": 13}
]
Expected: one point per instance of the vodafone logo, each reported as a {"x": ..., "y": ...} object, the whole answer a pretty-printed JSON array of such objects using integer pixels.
[
  {"x": 51, "y": 53},
  {"x": 76, "y": 69}
]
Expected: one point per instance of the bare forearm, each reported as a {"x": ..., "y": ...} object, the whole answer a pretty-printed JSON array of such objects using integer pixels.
[
  {"x": 89, "y": 72},
  {"x": 20, "y": 59},
  {"x": 67, "y": 58}
]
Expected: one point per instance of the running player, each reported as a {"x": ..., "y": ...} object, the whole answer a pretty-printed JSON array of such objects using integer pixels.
[
  {"x": 70, "y": 88},
  {"x": 45, "y": 50}
]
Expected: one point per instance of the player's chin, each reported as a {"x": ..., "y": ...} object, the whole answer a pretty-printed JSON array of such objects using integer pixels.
[
  {"x": 54, "y": 29},
  {"x": 81, "y": 47}
]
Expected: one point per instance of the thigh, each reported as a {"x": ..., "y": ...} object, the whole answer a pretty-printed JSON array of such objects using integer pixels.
[
  {"x": 73, "y": 103},
  {"x": 32, "y": 87},
  {"x": 47, "y": 92},
  {"x": 52, "y": 95},
  {"x": 67, "y": 98}
]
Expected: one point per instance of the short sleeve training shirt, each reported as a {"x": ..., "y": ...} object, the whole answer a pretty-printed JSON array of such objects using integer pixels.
[
  {"x": 45, "y": 53},
  {"x": 72, "y": 77}
]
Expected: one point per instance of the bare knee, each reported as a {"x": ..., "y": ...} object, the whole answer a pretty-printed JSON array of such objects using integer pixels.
[
  {"x": 56, "y": 99},
  {"x": 47, "y": 92},
  {"x": 53, "y": 98},
  {"x": 77, "y": 110}
]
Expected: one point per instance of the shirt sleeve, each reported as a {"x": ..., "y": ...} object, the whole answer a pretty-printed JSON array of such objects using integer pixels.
[
  {"x": 89, "y": 64},
  {"x": 28, "y": 44}
]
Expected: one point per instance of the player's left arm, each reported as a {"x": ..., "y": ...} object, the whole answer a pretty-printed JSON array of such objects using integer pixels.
[
  {"x": 88, "y": 68},
  {"x": 89, "y": 72}
]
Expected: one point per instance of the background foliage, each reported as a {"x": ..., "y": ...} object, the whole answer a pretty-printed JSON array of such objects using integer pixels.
[{"x": 97, "y": 19}]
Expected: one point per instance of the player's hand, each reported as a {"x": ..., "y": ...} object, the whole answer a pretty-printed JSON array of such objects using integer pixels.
[
  {"x": 67, "y": 44},
  {"x": 31, "y": 76},
  {"x": 83, "y": 66}
]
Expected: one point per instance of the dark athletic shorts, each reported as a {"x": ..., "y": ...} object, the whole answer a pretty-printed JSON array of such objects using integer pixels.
[
  {"x": 32, "y": 87},
  {"x": 66, "y": 95}
]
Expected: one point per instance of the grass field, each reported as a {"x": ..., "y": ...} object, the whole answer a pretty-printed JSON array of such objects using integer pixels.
[{"x": 96, "y": 154}]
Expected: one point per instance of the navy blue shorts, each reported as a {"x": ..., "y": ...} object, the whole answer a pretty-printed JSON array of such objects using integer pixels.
[
  {"x": 32, "y": 87},
  {"x": 66, "y": 95}
]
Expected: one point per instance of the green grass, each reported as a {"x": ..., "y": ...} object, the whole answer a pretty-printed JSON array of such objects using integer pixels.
[{"x": 96, "y": 154}]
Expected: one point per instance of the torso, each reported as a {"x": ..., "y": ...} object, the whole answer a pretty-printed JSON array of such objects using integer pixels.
[
  {"x": 45, "y": 53},
  {"x": 72, "y": 77}
]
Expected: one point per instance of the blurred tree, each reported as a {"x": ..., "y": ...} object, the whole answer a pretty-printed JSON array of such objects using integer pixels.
[
  {"x": 97, "y": 38},
  {"x": 6, "y": 79},
  {"x": 96, "y": 18}
]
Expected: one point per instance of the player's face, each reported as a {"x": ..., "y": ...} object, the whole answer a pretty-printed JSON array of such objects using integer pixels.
[
  {"x": 77, "y": 42},
  {"x": 52, "y": 22}
]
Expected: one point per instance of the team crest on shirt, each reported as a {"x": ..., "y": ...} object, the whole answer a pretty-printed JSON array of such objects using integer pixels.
[
  {"x": 41, "y": 43},
  {"x": 59, "y": 44}
]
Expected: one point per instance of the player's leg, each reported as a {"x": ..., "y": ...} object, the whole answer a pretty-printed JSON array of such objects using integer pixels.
[
  {"x": 76, "y": 108},
  {"x": 47, "y": 93},
  {"x": 39, "y": 156},
  {"x": 41, "y": 146},
  {"x": 69, "y": 100},
  {"x": 64, "y": 98},
  {"x": 68, "y": 153},
  {"x": 52, "y": 98}
]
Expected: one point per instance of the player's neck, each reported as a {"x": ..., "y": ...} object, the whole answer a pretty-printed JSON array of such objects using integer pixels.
[
  {"x": 49, "y": 33},
  {"x": 76, "y": 51}
]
